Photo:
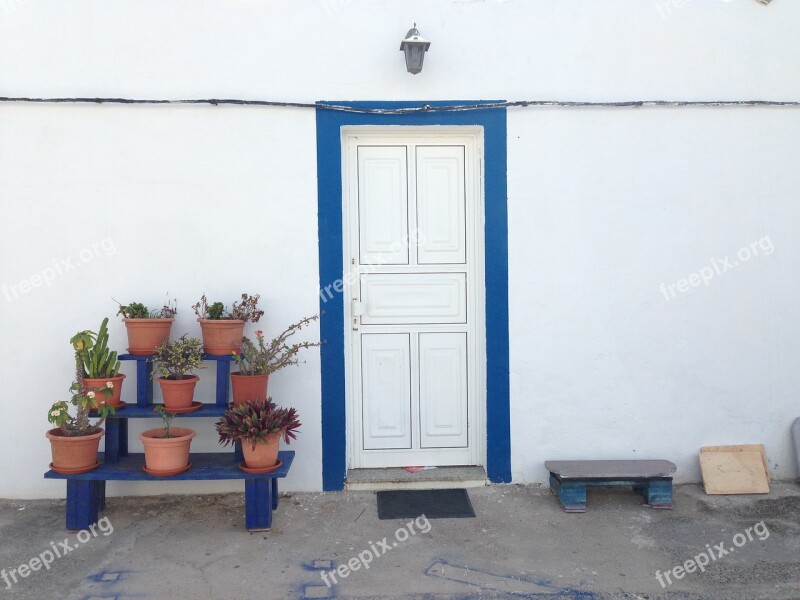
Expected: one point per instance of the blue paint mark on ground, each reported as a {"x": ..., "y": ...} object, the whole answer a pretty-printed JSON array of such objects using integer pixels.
[
  {"x": 513, "y": 585},
  {"x": 109, "y": 577}
]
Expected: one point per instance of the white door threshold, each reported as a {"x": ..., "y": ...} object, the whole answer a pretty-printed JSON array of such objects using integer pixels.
[{"x": 397, "y": 478}]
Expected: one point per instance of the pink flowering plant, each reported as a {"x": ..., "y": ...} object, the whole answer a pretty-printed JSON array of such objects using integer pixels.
[
  {"x": 263, "y": 358},
  {"x": 84, "y": 399}
]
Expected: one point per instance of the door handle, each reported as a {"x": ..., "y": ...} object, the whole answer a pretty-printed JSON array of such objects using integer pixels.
[{"x": 357, "y": 308}]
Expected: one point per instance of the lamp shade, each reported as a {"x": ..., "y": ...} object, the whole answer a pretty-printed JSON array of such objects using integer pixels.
[{"x": 414, "y": 47}]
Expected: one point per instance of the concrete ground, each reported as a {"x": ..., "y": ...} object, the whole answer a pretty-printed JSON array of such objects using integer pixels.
[{"x": 521, "y": 545}]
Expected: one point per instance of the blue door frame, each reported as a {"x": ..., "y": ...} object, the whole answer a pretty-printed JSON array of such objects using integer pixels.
[{"x": 329, "y": 181}]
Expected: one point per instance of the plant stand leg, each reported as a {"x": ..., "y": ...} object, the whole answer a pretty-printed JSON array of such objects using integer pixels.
[
  {"x": 100, "y": 494},
  {"x": 223, "y": 377},
  {"x": 82, "y": 505},
  {"x": 114, "y": 439},
  {"x": 659, "y": 494},
  {"x": 123, "y": 437},
  {"x": 274, "y": 485},
  {"x": 258, "y": 504},
  {"x": 238, "y": 455},
  {"x": 144, "y": 383},
  {"x": 572, "y": 496},
  {"x": 554, "y": 484}
]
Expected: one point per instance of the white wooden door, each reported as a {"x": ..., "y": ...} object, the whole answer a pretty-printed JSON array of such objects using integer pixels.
[{"x": 414, "y": 277}]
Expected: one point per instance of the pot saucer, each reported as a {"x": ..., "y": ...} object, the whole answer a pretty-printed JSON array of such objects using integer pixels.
[
  {"x": 76, "y": 471},
  {"x": 271, "y": 469},
  {"x": 168, "y": 473},
  {"x": 189, "y": 409}
]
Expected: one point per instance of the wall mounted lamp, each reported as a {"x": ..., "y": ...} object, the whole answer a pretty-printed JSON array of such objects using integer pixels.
[{"x": 414, "y": 46}]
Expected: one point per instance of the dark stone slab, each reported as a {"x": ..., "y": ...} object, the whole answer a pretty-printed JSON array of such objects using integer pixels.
[{"x": 610, "y": 469}]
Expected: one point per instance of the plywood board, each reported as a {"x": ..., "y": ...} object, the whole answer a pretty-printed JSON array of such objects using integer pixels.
[{"x": 735, "y": 469}]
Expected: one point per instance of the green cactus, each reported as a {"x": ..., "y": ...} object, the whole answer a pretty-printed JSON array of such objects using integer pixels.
[{"x": 97, "y": 361}]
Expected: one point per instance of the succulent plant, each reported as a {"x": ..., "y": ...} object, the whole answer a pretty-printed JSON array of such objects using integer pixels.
[
  {"x": 245, "y": 309},
  {"x": 137, "y": 310},
  {"x": 95, "y": 360},
  {"x": 90, "y": 348},
  {"x": 177, "y": 359},
  {"x": 262, "y": 358},
  {"x": 252, "y": 422}
]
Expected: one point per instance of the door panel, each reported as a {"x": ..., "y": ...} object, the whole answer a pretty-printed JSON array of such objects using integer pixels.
[
  {"x": 386, "y": 389},
  {"x": 441, "y": 210},
  {"x": 443, "y": 390},
  {"x": 407, "y": 298},
  {"x": 383, "y": 205}
]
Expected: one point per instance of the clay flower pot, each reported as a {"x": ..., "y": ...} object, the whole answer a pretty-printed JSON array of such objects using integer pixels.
[
  {"x": 222, "y": 336},
  {"x": 248, "y": 387},
  {"x": 166, "y": 456},
  {"x": 264, "y": 455},
  {"x": 113, "y": 399},
  {"x": 74, "y": 454},
  {"x": 144, "y": 335},
  {"x": 178, "y": 393}
]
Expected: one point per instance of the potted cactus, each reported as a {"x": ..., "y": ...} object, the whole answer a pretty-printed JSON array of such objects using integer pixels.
[
  {"x": 75, "y": 440},
  {"x": 147, "y": 329},
  {"x": 175, "y": 362},
  {"x": 259, "y": 425},
  {"x": 223, "y": 329},
  {"x": 258, "y": 360},
  {"x": 166, "y": 449},
  {"x": 97, "y": 364}
]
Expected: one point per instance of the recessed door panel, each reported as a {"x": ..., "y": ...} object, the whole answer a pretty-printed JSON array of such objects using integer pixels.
[
  {"x": 383, "y": 205},
  {"x": 443, "y": 390},
  {"x": 386, "y": 389},
  {"x": 441, "y": 209},
  {"x": 392, "y": 298}
]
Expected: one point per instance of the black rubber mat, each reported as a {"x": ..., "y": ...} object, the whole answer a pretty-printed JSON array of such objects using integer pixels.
[{"x": 434, "y": 504}]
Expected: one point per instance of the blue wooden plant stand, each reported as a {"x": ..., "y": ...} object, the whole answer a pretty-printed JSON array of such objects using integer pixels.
[
  {"x": 651, "y": 479},
  {"x": 86, "y": 493}
]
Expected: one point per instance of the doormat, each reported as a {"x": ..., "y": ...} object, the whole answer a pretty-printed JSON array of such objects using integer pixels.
[{"x": 434, "y": 504}]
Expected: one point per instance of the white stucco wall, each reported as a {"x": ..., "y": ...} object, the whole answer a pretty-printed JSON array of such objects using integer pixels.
[{"x": 604, "y": 204}]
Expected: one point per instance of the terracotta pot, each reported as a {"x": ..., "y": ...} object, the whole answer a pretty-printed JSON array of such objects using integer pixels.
[
  {"x": 166, "y": 456},
  {"x": 178, "y": 393},
  {"x": 76, "y": 454},
  {"x": 144, "y": 335},
  {"x": 222, "y": 336},
  {"x": 264, "y": 455},
  {"x": 98, "y": 384},
  {"x": 248, "y": 387}
]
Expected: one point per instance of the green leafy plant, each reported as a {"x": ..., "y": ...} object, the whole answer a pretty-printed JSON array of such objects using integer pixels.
[
  {"x": 95, "y": 360},
  {"x": 177, "y": 359},
  {"x": 245, "y": 309},
  {"x": 83, "y": 399},
  {"x": 252, "y": 422},
  {"x": 137, "y": 310},
  {"x": 166, "y": 419},
  {"x": 260, "y": 358}
]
